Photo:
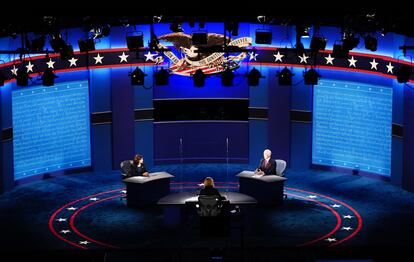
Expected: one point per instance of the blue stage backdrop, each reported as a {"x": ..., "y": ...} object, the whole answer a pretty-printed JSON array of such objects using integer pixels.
[
  {"x": 51, "y": 128},
  {"x": 352, "y": 126}
]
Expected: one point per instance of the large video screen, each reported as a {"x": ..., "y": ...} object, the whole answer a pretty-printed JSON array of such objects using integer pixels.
[
  {"x": 51, "y": 128},
  {"x": 352, "y": 126}
]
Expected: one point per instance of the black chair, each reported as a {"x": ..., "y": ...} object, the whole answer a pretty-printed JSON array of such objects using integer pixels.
[
  {"x": 126, "y": 166},
  {"x": 214, "y": 220}
]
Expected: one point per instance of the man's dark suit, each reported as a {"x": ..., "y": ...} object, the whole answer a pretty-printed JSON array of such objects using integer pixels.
[
  {"x": 211, "y": 191},
  {"x": 269, "y": 168}
]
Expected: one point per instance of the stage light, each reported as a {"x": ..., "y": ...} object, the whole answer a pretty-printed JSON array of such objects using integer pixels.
[
  {"x": 199, "y": 78},
  {"x": 232, "y": 27},
  {"x": 262, "y": 19},
  {"x": 134, "y": 42},
  {"x": 48, "y": 77},
  {"x": 156, "y": 19},
  {"x": 161, "y": 77},
  {"x": 263, "y": 37},
  {"x": 2, "y": 78},
  {"x": 67, "y": 52},
  {"x": 253, "y": 77},
  {"x": 57, "y": 43},
  {"x": 37, "y": 44},
  {"x": 317, "y": 43},
  {"x": 371, "y": 43},
  {"x": 22, "y": 77},
  {"x": 199, "y": 38},
  {"x": 86, "y": 45},
  {"x": 404, "y": 73},
  {"x": 350, "y": 41},
  {"x": 137, "y": 77},
  {"x": 106, "y": 30},
  {"x": 227, "y": 77},
  {"x": 311, "y": 77},
  {"x": 302, "y": 31},
  {"x": 285, "y": 77},
  {"x": 176, "y": 27},
  {"x": 339, "y": 51}
]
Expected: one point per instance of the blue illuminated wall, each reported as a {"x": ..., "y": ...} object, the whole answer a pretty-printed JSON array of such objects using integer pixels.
[
  {"x": 352, "y": 126},
  {"x": 50, "y": 128}
]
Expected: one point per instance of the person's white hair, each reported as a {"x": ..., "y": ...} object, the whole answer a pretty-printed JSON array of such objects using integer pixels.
[{"x": 267, "y": 151}]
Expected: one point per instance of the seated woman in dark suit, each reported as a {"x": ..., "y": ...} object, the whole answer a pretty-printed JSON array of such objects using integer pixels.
[
  {"x": 138, "y": 165},
  {"x": 209, "y": 189}
]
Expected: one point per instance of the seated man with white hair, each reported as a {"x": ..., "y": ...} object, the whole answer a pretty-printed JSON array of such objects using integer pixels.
[{"x": 267, "y": 164}]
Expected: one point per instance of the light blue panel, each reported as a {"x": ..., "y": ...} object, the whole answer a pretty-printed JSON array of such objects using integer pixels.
[
  {"x": 101, "y": 147},
  {"x": 352, "y": 126},
  {"x": 144, "y": 137},
  {"x": 258, "y": 134},
  {"x": 397, "y": 161},
  {"x": 300, "y": 150},
  {"x": 51, "y": 124},
  {"x": 259, "y": 94},
  {"x": 100, "y": 82}
]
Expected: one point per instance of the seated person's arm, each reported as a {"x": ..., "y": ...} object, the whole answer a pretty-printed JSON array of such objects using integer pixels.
[{"x": 145, "y": 171}]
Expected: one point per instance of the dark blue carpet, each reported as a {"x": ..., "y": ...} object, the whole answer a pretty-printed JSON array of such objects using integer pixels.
[{"x": 387, "y": 212}]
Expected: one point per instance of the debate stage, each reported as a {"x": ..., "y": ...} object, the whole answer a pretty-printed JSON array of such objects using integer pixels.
[{"x": 323, "y": 210}]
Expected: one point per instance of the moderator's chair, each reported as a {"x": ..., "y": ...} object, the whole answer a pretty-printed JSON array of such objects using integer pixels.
[
  {"x": 213, "y": 221},
  {"x": 280, "y": 170},
  {"x": 126, "y": 166}
]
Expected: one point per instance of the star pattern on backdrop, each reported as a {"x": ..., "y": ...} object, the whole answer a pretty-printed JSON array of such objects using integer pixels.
[
  {"x": 51, "y": 64},
  {"x": 278, "y": 57},
  {"x": 303, "y": 58},
  {"x": 73, "y": 61},
  {"x": 29, "y": 67},
  {"x": 329, "y": 59},
  {"x": 390, "y": 67},
  {"x": 123, "y": 57},
  {"x": 352, "y": 62},
  {"x": 374, "y": 64},
  {"x": 252, "y": 56},
  {"x": 149, "y": 56},
  {"x": 98, "y": 59},
  {"x": 364, "y": 62}
]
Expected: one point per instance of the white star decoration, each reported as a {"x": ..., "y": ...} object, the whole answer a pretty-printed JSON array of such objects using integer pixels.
[
  {"x": 352, "y": 61},
  {"x": 72, "y": 61},
  {"x": 330, "y": 239},
  {"x": 149, "y": 56},
  {"x": 50, "y": 64},
  {"x": 71, "y": 208},
  {"x": 252, "y": 56},
  {"x": 312, "y": 196},
  {"x": 14, "y": 70},
  {"x": 123, "y": 57},
  {"x": 84, "y": 242},
  {"x": 374, "y": 64},
  {"x": 29, "y": 67},
  {"x": 348, "y": 216},
  {"x": 93, "y": 198},
  {"x": 278, "y": 57},
  {"x": 346, "y": 228},
  {"x": 335, "y": 205},
  {"x": 61, "y": 219},
  {"x": 390, "y": 67},
  {"x": 303, "y": 58},
  {"x": 65, "y": 231},
  {"x": 329, "y": 59},
  {"x": 98, "y": 59},
  {"x": 123, "y": 191}
]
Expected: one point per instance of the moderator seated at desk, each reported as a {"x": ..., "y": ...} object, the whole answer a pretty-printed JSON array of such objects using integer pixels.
[
  {"x": 174, "y": 205},
  {"x": 143, "y": 190},
  {"x": 265, "y": 189}
]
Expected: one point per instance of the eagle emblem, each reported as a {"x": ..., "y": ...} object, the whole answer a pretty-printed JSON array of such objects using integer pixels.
[{"x": 192, "y": 57}]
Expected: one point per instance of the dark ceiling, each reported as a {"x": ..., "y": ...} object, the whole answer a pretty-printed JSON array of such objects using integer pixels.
[{"x": 397, "y": 20}]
